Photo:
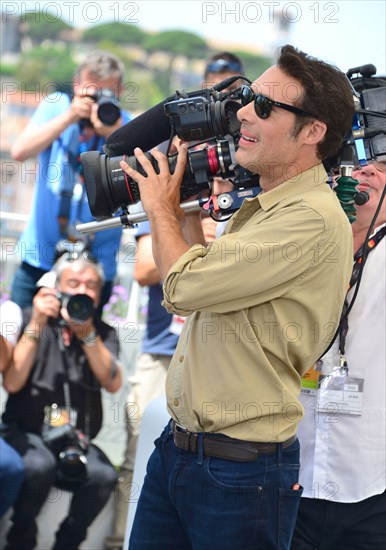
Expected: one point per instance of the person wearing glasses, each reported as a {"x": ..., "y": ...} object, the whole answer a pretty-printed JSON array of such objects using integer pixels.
[
  {"x": 224, "y": 472},
  {"x": 60, "y": 130},
  {"x": 343, "y": 447},
  {"x": 162, "y": 328},
  {"x": 220, "y": 66},
  {"x": 61, "y": 361}
]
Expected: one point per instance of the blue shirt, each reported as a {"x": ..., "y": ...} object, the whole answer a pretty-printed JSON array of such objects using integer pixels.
[
  {"x": 157, "y": 338},
  {"x": 57, "y": 173}
]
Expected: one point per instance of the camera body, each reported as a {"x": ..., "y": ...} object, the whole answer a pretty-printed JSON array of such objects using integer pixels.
[
  {"x": 203, "y": 116},
  {"x": 69, "y": 447},
  {"x": 109, "y": 109},
  {"x": 80, "y": 307},
  {"x": 367, "y": 141}
]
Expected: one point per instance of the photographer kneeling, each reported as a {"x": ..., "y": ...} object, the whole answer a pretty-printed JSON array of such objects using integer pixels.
[{"x": 54, "y": 409}]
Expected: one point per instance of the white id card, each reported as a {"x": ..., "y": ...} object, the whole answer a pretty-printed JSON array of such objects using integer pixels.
[{"x": 340, "y": 393}]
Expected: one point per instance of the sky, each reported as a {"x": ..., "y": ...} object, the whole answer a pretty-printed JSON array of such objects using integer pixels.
[{"x": 347, "y": 33}]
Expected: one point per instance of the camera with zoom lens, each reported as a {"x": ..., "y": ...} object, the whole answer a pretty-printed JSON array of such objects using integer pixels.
[
  {"x": 206, "y": 116},
  {"x": 70, "y": 448},
  {"x": 80, "y": 307},
  {"x": 109, "y": 109}
]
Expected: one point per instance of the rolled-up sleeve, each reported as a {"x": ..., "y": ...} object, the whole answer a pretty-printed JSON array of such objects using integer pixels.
[{"x": 241, "y": 270}]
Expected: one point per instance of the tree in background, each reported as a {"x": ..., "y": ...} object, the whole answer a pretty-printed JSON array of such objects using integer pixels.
[
  {"x": 118, "y": 33},
  {"x": 40, "y": 26},
  {"x": 254, "y": 65},
  {"x": 54, "y": 65},
  {"x": 177, "y": 42}
]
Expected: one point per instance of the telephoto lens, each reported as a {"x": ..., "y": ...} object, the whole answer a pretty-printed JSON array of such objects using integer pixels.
[{"x": 109, "y": 188}]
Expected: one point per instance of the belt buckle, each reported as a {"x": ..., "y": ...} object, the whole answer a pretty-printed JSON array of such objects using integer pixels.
[{"x": 179, "y": 428}]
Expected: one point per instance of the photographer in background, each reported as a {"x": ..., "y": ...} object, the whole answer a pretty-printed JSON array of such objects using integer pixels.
[
  {"x": 59, "y": 131},
  {"x": 343, "y": 456},
  {"x": 60, "y": 365},
  {"x": 224, "y": 473},
  {"x": 220, "y": 66}
]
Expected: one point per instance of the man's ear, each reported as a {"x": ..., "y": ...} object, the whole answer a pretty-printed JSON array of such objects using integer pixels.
[{"x": 315, "y": 132}]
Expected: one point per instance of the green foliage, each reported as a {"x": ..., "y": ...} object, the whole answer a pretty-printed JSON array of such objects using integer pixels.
[
  {"x": 177, "y": 42},
  {"x": 43, "y": 26},
  {"x": 117, "y": 50},
  {"x": 119, "y": 33},
  {"x": 254, "y": 65},
  {"x": 8, "y": 70},
  {"x": 141, "y": 92},
  {"x": 46, "y": 65}
]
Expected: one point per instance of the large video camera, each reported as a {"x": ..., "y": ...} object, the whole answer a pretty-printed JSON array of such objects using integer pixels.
[
  {"x": 210, "y": 116},
  {"x": 207, "y": 117},
  {"x": 367, "y": 141}
]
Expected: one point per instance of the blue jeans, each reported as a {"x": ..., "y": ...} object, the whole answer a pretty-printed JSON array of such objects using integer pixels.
[
  {"x": 11, "y": 475},
  {"x": 191, "y": 501}
]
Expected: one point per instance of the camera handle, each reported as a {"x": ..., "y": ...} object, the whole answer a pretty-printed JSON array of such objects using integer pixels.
[
  {"x": 225, "y": 203},
  {"x": 66, "y": 383}
]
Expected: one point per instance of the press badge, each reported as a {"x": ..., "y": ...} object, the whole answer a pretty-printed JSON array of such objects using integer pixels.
[
  {"x": 177, "y": 324},
  {"x": 310, "y": 380},
  {"x": 340, "y": 393}
]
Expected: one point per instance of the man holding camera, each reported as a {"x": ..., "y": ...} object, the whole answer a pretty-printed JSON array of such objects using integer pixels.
[
  {"x": 59, "y": 131},
  {"x": 54, "y": 409},
  {"x": 224, "y": 473}
]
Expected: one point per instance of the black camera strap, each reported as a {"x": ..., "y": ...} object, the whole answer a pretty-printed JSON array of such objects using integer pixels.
[
  {"x": 66, "y": 384},
  {"x": 359, "y": 260}
]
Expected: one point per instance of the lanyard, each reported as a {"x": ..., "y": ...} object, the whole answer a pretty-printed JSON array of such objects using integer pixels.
[{"x": 367, "y": 247}]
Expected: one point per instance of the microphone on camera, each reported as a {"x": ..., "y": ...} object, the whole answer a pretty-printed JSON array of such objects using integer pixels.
[
  {"x": 364, "y": 70},
  {"x": 361, "y": 198},
  {"x": 146, "y": 131}
]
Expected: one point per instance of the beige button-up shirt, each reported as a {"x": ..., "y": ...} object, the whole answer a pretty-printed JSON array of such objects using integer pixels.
[{"x": 262, "y": 304}]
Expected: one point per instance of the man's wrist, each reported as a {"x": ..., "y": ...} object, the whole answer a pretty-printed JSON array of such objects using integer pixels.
[
  {"x": 32, "y": 334},
  {"x": 90, "y": 339}
]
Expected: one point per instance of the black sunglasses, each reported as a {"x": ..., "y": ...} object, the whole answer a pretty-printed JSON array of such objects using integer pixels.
[{"x": 263, "y": 105}]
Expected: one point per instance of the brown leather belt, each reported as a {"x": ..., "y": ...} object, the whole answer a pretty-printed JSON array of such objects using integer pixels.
[{"x": 224, "y": 447}]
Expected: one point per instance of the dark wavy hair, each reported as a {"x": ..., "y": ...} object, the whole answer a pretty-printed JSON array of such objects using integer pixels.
[{"x": 327, "y": 94}]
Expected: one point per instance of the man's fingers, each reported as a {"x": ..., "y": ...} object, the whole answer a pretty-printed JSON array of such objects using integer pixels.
[
  {"x": 133, "y": 174},
  {"x": 161, "y": 159},
  {"x": 181, "y": 161}
]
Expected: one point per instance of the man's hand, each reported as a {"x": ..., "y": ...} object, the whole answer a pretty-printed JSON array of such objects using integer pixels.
[
  {"x": 81, "y": 107},
  {"x": 160, "y": 193},
  {"x": 79, "y": 329},
  {"x": 45, "y": 304}
]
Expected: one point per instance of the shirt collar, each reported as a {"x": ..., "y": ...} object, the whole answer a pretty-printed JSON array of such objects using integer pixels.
[{"x": 297, "y": 185}]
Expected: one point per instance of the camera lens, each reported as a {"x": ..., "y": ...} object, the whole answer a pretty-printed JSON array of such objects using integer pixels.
[
  {"x": 72, "y": 464},
  {"x": 108, "y": 187},
  {"x": 108, "y": 112},
  {"x": 79, "y": 306}
]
